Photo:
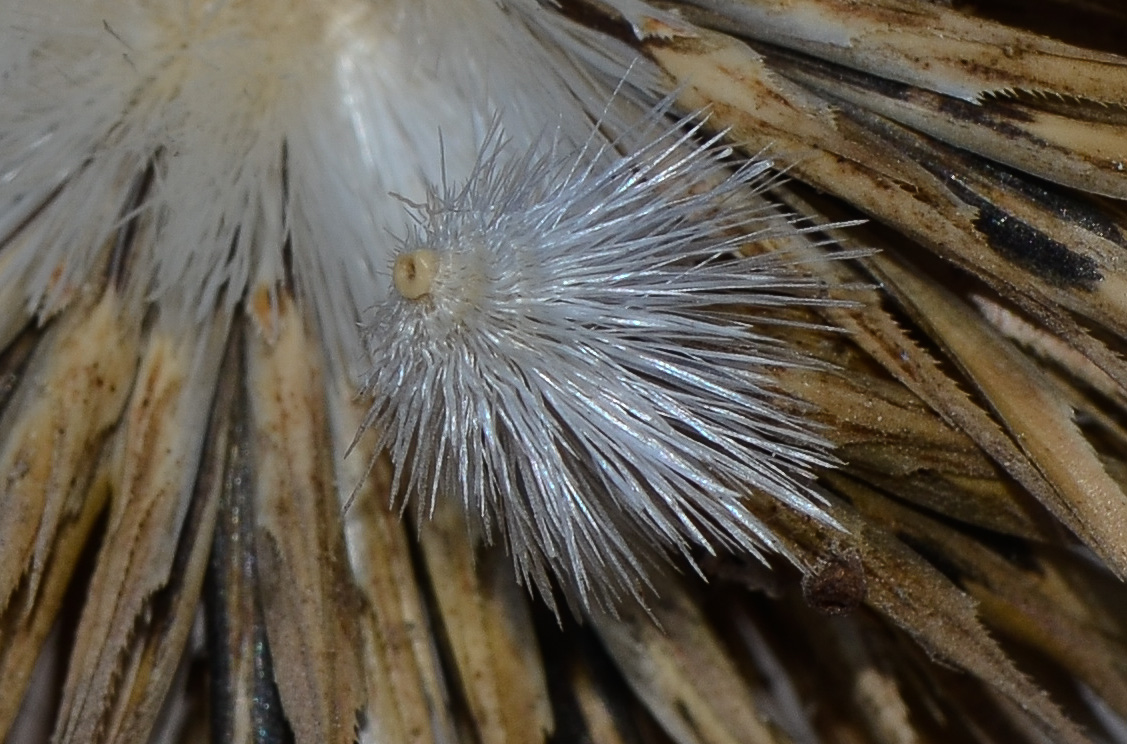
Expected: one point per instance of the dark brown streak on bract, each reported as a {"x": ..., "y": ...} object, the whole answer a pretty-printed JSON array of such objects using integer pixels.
[
  {"x": 1013, "y": 238},
  {"x": 1068, "y": 208},
  {"x": 233, "y": 611},
  {"x": 1027, "y": 246},
  {"x": 998, "y": 117}
]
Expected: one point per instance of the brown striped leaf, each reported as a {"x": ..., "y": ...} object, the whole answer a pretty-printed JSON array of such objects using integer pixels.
[{"x": 308, "y": 599}]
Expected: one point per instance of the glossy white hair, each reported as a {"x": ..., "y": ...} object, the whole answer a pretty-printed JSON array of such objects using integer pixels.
[{"x": 575, "y": 353}]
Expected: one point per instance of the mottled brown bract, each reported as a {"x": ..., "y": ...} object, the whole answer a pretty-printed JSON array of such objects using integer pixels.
[{"x": 836, "y": 584}]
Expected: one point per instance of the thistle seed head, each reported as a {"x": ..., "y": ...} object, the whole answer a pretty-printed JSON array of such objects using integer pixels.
[{"x": 574, "y": 352}]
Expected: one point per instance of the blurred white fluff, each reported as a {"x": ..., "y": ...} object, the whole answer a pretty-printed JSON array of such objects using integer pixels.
[
  {"x": 256, "y": 142},
  {"x": 573, "y": 352}
]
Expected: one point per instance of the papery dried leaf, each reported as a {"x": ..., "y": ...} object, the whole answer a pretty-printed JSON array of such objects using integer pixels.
[
  {"x": 309, "y": 602},
  {"x": 1022, "y": 602},
  {"x": 894, "y": 439},
  {"x": 880, "y": 336},
  {"x": 1063, "y": 148},
  {"x": 487, "y": 624},
  {"x": 929, "y": 192},
  {"x": 171, "y": 613},
  {"x": 923, "y": 43},
  {"x": 677, "y": 666},
  {"x": 71, "y": 394},
  {"x": 911, "y": 593},
  {"x": 247, "y": 708},
  {"x": 988, "y": 502},
  {"x": 25, "y": 627},
  {"x": 408, "y": 701},
  {"x": 1044, "y": 346},
  {"x": 1046, "y": 249},
  {"x": 1087, "y": 498},
  {"x": 156, "y": 463},
  {"x": 883, "y": 429}
]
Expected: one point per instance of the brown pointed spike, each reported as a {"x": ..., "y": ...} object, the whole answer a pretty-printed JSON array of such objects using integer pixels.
[
  {"x": 159, "y": 651},
  {"x": 486, "y": 621},
  {"x": 242, "y": 689},
  {"x": 71, "y": 394},
  {"x": 407, "y": 699},
  {"x": 927, "y": 44},
  {"x": 904, "y": 588},
  {"x": 309, "y": 602},
  {"x": 1085, "y": 497},
  {"x": 678, "y": 666},
  {"x": 157, "y": 450}
]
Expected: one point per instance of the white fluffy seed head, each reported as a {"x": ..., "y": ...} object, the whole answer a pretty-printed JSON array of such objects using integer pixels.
[
  {"x": 255, "y": 142},
  {"x": 584, "y": 369}
]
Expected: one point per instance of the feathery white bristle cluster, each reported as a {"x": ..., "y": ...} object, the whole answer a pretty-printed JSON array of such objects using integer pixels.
[
  {"x": 574, "y": 352},
  {"x": 255, "y": 142}
]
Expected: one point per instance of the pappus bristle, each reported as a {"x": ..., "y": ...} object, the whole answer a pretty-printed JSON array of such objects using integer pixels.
[{"x": 573, "y": 352}]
